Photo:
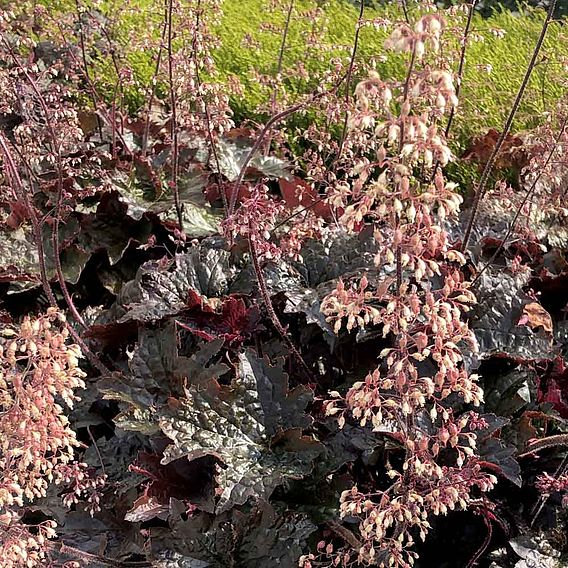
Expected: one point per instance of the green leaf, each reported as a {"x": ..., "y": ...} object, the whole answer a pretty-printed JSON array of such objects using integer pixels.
[
  {"x": 19, "y": 258},
  {"x": 281, "y": 408},
  {"x": 112, "y": 234},
  {"x": 238, "y": 424},
  {"x": 262, "y": 538},
  {"x": 496, "y": 452},
  {"x": 494, "y": 318},
  {"x": 230, "y": 157},
  {"x": 156, "y": 373},
  {"x": 346, "y": 445},
  {"x": 162, "y": 290},
  {"x": 506, "y": 394},
  {"x": 337, "y": 256},
  {"x": 199, "y": 220}
]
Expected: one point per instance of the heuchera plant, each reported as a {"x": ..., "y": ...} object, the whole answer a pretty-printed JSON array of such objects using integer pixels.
[
  {"x": 282, "y": 353},
  {"x": 419, "y": 299}
]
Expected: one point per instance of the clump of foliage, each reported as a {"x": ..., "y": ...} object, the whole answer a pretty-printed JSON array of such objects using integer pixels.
[{"x": 305, "y": 344}]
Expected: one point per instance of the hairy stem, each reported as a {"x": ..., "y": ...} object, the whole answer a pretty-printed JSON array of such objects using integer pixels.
[
  {"x": 153, "y": 82},
  {"x": 398, "y": 253},
  {"x": 86, "y": 66},
  {"x": 95, "y": 559},
  {"x": 271, "y": 122},
  {"x": 12, "y": 174},
  {"x": 461, "y": 65},
  {"x": 56, "y": 151},
  {"x": 539, "y": 505},
  {"x": 102, "y": 113},
  {"x": 265, "y": 295},
  {"x": 205, "y": 105},
  {"x": 486, "y": 541},
  {"x": 458, "y": 79}
]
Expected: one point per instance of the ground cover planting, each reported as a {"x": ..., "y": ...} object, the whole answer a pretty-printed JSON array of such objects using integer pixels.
[{"x": 283, "y": 284}]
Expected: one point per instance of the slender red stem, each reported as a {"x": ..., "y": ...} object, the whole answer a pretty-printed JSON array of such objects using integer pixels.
[
  {"x": 173, "y": 121},
  {"x": 522, "y": 204},
  {"x": 59, "y": 198},
  {"x": 348, "y": 82},
  {"x": 279, "y": 67},
  {"x": 265, "y": 295},
  {"x": 480, "y": 192},
  {"x": 271, "y": 122}
]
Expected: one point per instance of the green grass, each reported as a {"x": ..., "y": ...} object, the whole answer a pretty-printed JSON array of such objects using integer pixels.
[{"x": 485, "y": 99}]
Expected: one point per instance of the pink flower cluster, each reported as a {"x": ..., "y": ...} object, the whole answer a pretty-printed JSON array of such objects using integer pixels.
[
  {"x": 39, "y": 370},
  {"x": 418, "y": 300}
]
